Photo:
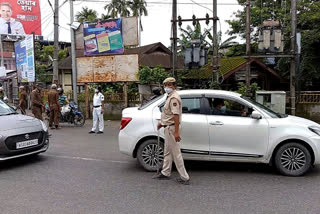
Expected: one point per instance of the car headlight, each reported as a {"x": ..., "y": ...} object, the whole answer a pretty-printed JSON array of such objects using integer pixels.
[
  {"x": 315, "y": 129},
  {"x": 44, "y": 127}
]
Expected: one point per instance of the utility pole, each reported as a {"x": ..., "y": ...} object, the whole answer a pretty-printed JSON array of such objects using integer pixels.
[
  {"x": 174, "y": 39},
  {"x": 215, "y": 61},
  {"x": 293, "y": 58},
  {"x": 73, "y": 56},
  {"x": 248, "y": 45},
  {"x": 1, "y": 50},
  {"x": 56, "y": 41}
]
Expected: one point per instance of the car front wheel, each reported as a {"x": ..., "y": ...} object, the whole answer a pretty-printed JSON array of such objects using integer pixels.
[
  {"x": 150, "y": 155},
  {"x": 293, "y": 159}
]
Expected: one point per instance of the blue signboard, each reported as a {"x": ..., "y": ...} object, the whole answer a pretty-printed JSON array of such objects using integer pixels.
[
  {"x": 24, "y": 52},
  {"x": 103, "y": 37}
]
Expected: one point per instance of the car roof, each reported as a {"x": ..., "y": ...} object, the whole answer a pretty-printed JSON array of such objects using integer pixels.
[{"x": 208, "y": 91}]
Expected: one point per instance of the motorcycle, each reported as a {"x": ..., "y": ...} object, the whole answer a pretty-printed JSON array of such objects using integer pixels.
[{"x": 72, "y": 116}]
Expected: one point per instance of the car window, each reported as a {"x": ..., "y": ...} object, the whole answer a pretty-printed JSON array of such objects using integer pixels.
[
  {"x": 228, "y": 107},
  {"x": 150, "y": 102},
  {"x": 190, "y": 105},
  {"x": 5, "y": 109}
]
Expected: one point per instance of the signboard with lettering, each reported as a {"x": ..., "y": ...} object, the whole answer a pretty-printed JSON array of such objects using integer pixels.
[
  {"x": 24, "y": 51},
  {"x": 103, "y": 37},
  {"x": 20, "y": 17}
]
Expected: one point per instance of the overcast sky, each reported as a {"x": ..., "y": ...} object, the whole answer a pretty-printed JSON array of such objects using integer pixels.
[{"x": 156, "y": 26}]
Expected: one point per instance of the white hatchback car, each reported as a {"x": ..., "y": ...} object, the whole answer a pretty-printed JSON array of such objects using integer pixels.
[{"x": 245, "y": 132}]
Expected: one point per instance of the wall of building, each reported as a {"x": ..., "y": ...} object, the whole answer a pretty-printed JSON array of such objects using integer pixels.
[{"x": 309, "y": 111}]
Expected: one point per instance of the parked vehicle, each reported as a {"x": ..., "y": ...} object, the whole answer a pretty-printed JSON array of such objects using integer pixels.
[
  {"x": 20, "y": 135},
  {"x": 246, "y": 132},
  {"x": 72, "y": 116}
]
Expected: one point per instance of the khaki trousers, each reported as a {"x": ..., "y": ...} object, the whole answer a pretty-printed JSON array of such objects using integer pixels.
[
  {"x": 172, "y": 152},
  {"x": 37, "y": 112},
  {"x": 54, "y": 117}
]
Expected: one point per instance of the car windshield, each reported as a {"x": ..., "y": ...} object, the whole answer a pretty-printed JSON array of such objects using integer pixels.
[
  {"x": 264, "y": 108},
  {"x": 6, "y": 109},
  {"x": 150, "y": 102}
]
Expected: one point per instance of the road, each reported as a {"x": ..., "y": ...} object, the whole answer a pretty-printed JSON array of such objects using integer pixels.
[{"x": 82, "y": 173}]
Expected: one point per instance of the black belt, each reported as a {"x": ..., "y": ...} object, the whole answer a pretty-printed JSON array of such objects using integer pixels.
[
  {"x": 165, "y": 126},
  {"x": 96, "y": 106}
]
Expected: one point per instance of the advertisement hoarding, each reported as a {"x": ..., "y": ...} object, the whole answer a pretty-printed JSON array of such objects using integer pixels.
[
  {"x": 103, "y": 37},
  {"x": 117, "y": 68},
  {"x": 20, "y": 17},
  {"x": 24, "y": 52}
]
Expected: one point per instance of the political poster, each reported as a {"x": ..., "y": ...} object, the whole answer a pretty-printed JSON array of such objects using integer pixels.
[
  {"x": 24, "y": 52},
  {"x": 19, "y": 17},
  {"x": 103, "y": 37}
]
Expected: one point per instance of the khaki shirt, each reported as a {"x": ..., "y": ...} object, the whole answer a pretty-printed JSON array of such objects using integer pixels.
[
  {"x": 23, "y": 100},
  {"x": 53, "y": 99},
  {"x": 172, "y": 107},
  {"x": 36, "y": 100}
]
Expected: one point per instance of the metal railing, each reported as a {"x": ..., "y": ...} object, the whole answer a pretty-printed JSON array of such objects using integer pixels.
[{"x": 309, "y": 97}]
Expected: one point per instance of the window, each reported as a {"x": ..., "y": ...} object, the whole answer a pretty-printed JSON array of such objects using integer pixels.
[
  {"x": 227, "y": 107},
  {"x": 190, "y": 105}
]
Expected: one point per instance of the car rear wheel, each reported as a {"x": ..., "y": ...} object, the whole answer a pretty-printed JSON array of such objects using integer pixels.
[
  {"x": 150, "y": 156},
  {"x": 293, "y": 159}
]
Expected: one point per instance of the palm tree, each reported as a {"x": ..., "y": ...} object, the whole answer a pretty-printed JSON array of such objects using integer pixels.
[
  {"x": 118, "y": 8},
  {"x": 138, "y": 8},
  {"x": 105, "y": 16},
  {"x": 86, "y": 15}
]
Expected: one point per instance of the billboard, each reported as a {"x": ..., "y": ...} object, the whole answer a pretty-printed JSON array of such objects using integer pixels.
[
  {"x": 24, "y": 52},
  {"x": 20, "y": 17},
  {"x": 103, "y": 37},
  {"x": 117, "y": 68}
]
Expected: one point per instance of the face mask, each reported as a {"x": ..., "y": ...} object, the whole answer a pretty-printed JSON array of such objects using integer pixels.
[
  {"x": 223, "y": 109},
  {"x": 168, "y": 90},
  {"x": 96, "y": 90}
]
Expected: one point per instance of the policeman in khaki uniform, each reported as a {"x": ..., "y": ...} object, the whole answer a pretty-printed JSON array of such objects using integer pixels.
[
  {"x": 170, "y": 120},
  {"x": 37, "y": 106},
  {"x": 54, "y": 106},
  {"x": 23, "y": 100}
]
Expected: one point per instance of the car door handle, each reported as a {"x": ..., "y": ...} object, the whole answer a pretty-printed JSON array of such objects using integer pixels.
[{"x": 216, "y": 123}]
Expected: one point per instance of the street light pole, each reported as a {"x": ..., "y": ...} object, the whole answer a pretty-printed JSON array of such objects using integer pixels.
[
  {"x": 56, "y": 41},
  {"x": 73, "y": 56}
]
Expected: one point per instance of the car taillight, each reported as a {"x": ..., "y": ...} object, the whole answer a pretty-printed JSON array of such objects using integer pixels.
[{"x": 124, "y": 122}]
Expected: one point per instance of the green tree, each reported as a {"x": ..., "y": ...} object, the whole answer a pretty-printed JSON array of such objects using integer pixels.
[
  {"x": 86, "y": 15},
  {"x": 118, "y": 8},
  {"x": 43, "y": 61},
  {"x": 308, "y": 22}
]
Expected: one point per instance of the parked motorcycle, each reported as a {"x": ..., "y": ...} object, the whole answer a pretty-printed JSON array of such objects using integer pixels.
[{"x": 72, "y": 116}]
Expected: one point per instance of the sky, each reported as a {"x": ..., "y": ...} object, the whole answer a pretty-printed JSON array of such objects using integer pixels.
[{"x": 156, "y": 26}]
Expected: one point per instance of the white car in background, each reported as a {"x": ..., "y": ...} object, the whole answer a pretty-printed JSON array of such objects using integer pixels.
[{"x": 246, "y": 132}]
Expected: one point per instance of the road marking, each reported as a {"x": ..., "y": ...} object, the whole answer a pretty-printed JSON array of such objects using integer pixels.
[{"x": 87, "y": 159}]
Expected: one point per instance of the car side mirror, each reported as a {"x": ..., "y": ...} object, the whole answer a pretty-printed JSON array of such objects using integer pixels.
[{"x": 256, "y": 115}]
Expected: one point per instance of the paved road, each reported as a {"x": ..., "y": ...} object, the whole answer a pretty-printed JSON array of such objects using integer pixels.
[{"x": 82, "y": 173}]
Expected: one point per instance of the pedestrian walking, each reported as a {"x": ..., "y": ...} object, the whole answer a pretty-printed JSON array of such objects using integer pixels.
[
  {"x": 170, "y": 121},
  {"x": 54, "y": 106},
  {"x": 37, "y": 106},
  {"x": 23, "y": 100},
  {"x": 98, "y": 111}
]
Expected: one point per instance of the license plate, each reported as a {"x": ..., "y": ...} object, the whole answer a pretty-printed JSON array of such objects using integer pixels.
[{"x": 27, "y": 143}]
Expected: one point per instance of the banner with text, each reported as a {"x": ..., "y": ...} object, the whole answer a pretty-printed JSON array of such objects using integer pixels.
[
  {"x": 20, "y": 17},
  {"x": 103, "y": 37},
  {"x": 24, "y": 52}
]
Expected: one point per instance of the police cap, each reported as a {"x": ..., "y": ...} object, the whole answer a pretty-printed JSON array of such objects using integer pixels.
[{"x": 169, "y": 79}]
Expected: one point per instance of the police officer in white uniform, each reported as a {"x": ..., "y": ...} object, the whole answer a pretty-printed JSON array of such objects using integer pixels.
[
  {"x": 98, "y": 110},
  {"x": 9, "y": 25}
]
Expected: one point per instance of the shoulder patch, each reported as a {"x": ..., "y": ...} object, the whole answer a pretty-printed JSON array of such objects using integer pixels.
[{"x": 174, "y": 104}]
